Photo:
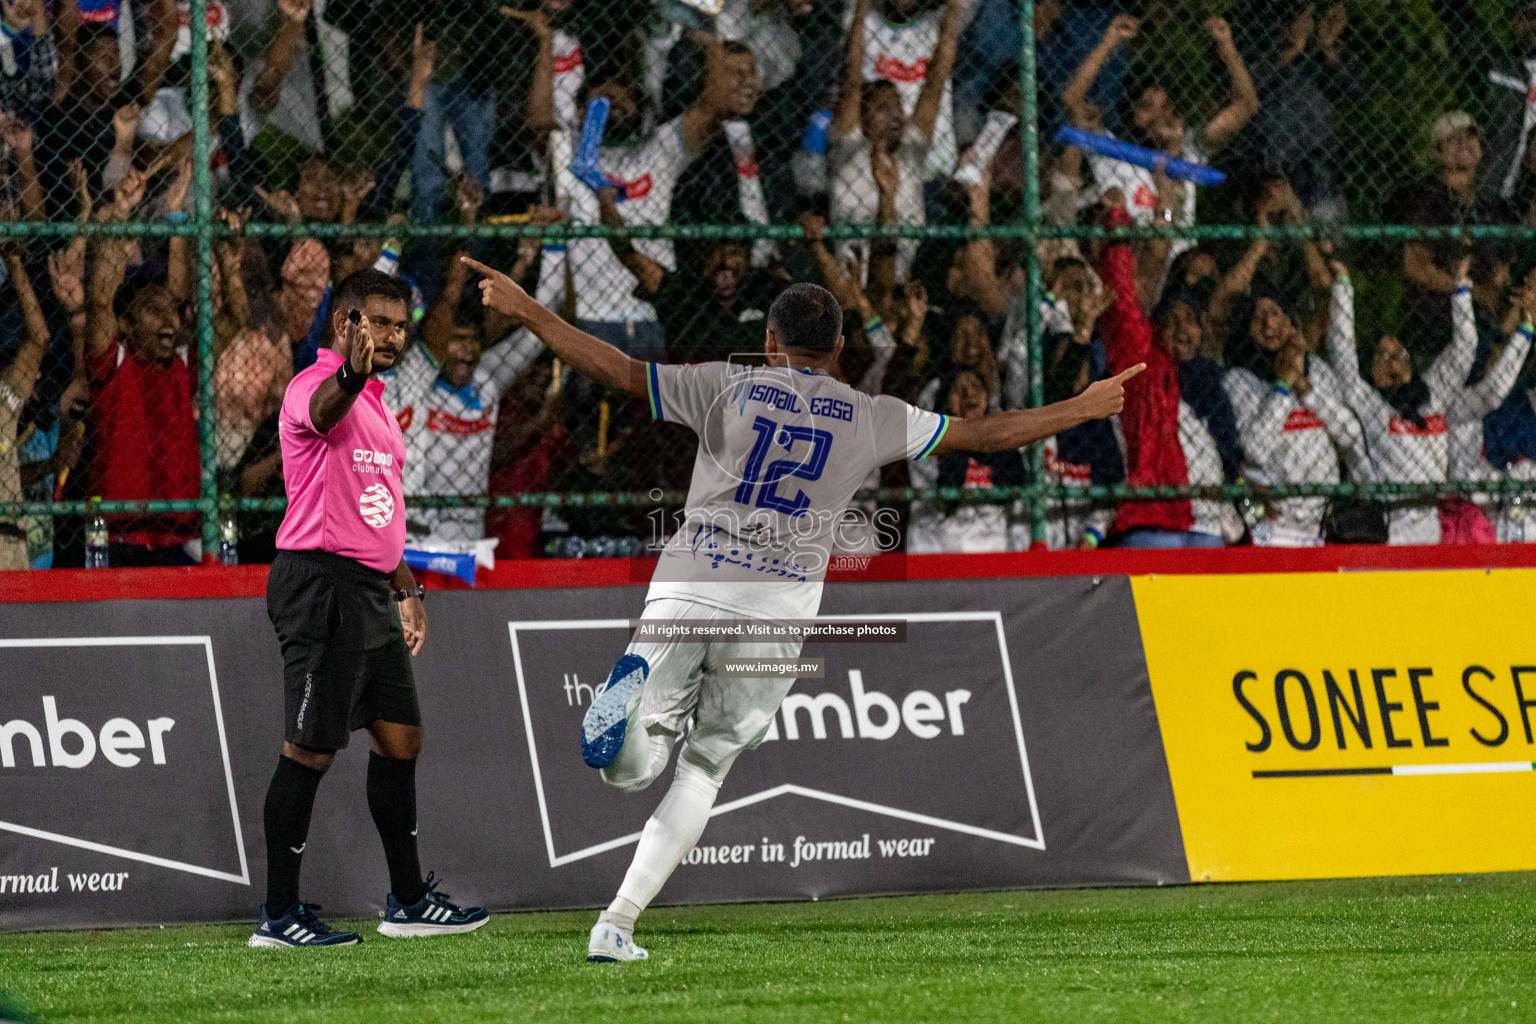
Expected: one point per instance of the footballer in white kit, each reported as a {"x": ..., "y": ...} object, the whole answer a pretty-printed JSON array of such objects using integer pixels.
[{"x": 782, "y": 450}]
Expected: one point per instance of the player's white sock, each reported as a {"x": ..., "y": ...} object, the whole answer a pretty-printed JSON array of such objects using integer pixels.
[
  {"x": 670, "y": 833},
  {"x": 621, "y": 914},
  {"x": 641, "y": 758}
]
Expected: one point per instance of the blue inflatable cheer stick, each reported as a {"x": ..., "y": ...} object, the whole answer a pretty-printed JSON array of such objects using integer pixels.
[
  {"x": 1141, "y": 156},
  {"x": 462, "y": 566},
  {"x": 584, "y": 163}
]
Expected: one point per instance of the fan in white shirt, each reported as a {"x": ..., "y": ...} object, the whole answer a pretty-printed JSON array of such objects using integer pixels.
[
  {"x": 445, "y": 393},
  {"x": 871, "y": 131},
  {"x": 1159, "y": 124},
  {"x": 1403, "y": 416},
  {"x": 766, "y": 28},
  {"x": 940, "y": 526},
  {"x": 902, "y": 42},
  {"x": 1292, "y": 418},
  {"x": 605, "y": 304},
  {"x": 558, "y": 72}
]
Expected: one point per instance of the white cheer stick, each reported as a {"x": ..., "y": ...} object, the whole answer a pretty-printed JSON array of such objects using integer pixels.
[{"x": 985, "y": 147}]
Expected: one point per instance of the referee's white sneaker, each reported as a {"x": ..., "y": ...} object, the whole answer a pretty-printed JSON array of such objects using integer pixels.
[
  {"x": 607, "y": 719},
  {"x": 430, "y": 915},
  {"x": 608, "y": 945}
]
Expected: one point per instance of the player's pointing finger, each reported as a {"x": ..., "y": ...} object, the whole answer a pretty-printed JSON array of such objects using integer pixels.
[
  {"x": 1126, "y": 375},
  {"x": 477, "y": 265}
]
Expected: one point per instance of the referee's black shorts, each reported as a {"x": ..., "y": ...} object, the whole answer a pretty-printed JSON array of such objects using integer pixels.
[{"x": 345, "y": 663}]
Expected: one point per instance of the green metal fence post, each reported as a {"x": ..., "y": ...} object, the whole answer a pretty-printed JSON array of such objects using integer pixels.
[
  {"x": 202, "y": 224},
  {"x": 1029, "y": 138}
]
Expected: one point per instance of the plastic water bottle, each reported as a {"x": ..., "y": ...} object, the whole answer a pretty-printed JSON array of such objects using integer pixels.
[
  {"x": 1515, "y": 514},
  {"x": 1251, "y": 509},
  {"x": 808, "y": 165},
  {"x": 96, "y": 542},
  {"x": 229, "y": 539},
  {"x": 565, "y": 547},
  {"x": 389, "y": 258}
]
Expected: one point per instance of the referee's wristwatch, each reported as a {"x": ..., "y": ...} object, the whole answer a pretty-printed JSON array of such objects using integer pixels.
[{"x": 418, "y": 591}]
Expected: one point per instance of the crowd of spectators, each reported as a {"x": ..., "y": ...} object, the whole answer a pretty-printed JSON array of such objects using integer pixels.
[{"x": 895, "y": 113}]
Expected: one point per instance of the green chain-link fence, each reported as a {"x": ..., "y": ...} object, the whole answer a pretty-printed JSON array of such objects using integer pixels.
[{"x": 1335, "y": 329}]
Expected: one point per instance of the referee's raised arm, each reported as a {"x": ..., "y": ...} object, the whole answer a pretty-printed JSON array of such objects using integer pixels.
[
  {"x": 577, "y": 349},
  {"x": 333, "y": 399}
]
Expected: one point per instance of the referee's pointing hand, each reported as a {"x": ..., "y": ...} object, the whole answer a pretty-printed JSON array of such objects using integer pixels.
[{"x": 360, "y": 346}]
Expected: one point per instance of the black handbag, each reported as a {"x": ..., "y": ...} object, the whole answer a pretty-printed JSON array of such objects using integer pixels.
[{"x": 1355, "y": 521}]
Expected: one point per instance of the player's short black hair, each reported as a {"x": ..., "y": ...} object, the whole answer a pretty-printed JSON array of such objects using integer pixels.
[
  {"x": 361, "y": 285},
  {"x": 806, "y": 316}
]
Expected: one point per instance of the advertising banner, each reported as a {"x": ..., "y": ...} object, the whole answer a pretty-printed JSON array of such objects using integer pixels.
[
  {"x": 1324, "y": 725},
  {"x": 1008, "y": 739}
]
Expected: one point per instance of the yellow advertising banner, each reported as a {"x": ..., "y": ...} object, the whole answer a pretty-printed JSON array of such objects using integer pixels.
[{"x": 1341, "y": 724}]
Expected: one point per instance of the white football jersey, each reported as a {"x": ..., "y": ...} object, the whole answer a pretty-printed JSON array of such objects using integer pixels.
[
  {"x": 649, "y": 171},
  {"x": 856, "y": 199},
  {"x": 1140, "y": 188},
  {"x": 570, "y": 72},
  {"x": 448, "y": 431},
  {"x": 900, "y": 54},
  {"x": 781, "y": 454}
]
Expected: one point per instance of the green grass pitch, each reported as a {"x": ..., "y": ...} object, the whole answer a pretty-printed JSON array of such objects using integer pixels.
[{"x": 1401, "y": 950}]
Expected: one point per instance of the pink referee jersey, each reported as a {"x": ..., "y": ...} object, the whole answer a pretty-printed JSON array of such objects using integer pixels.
[{"x": 343, "y": 487}]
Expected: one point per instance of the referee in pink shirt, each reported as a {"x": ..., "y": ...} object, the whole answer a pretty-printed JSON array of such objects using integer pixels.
[{"x": 332, "y": 593}]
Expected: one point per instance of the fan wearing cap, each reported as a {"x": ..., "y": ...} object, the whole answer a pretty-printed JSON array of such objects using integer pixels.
[{"x": 1449, "y": 198}]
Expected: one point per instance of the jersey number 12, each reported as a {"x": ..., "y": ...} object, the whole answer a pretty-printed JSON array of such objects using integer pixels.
[{"x": 765, "y": 480}]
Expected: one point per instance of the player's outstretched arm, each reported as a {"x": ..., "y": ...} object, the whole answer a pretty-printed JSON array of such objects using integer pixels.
[
  {"x": 579, "y": 350},
  {"x": 1016, "y": 428}
]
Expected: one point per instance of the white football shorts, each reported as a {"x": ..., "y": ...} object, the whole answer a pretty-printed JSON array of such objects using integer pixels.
[{"x": 724, "y": 716}]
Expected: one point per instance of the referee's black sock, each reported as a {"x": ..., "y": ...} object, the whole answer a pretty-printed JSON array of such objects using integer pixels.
[
  {"x": 392, "y": 800},
  {"x": 290, "y": 799}
]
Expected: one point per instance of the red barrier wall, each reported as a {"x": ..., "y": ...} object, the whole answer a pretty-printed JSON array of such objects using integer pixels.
[{"x": 251, "y": 580}]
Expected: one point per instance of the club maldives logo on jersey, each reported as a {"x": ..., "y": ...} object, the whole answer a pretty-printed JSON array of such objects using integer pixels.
[
  {"x": 441, "y": 422},
  {"x": 1302, "y": 419},
  {"x": 894, "y": 70},
  {"x": 639, "y": 188},
  {"x": 376, "y": 506},
  {"x": 1434, "y": 425}
]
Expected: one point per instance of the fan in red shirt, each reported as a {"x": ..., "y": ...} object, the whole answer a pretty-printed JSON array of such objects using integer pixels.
[
  {"x": 530, "y": 441},
  {"x": 143, "y": 414}
]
